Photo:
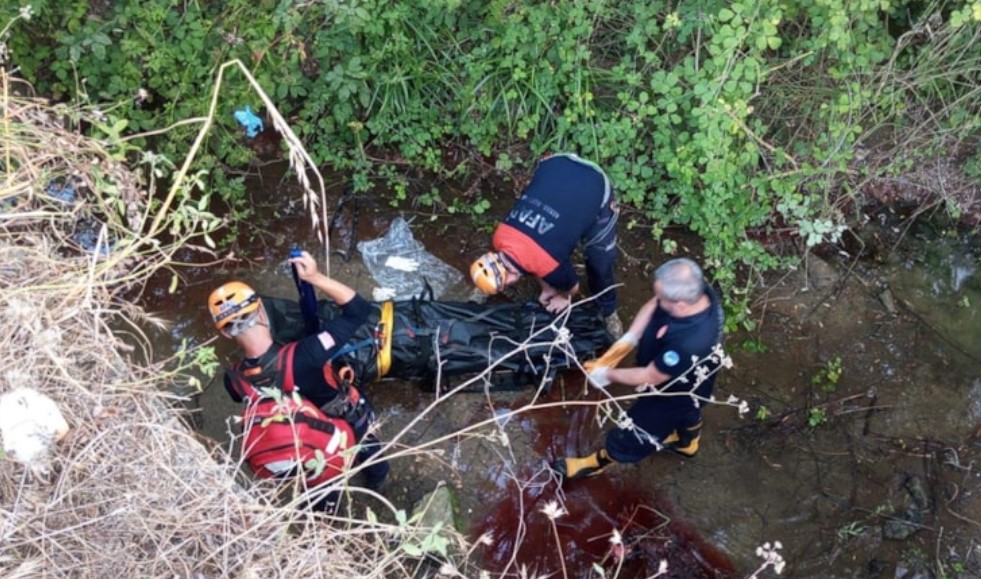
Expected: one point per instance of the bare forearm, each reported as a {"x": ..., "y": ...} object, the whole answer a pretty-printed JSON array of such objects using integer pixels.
[
  {"x": 636, "y": 376},
  {"x": 332, "y": 288},
  {"x": 643, "y": 317}
]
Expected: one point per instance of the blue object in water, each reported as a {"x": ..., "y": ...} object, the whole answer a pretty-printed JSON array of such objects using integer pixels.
[
  {"x": 308, "y": 298},
  {"x": 248, "y": 119}
]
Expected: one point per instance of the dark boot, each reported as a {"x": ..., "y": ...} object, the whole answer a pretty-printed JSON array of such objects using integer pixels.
[
  {"x": 374, "y": 475},
  {"x": 573, "y": 468}
]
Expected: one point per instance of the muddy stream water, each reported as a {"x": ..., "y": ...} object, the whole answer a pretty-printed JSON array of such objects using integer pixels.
[{"x": 865, "y": 464}]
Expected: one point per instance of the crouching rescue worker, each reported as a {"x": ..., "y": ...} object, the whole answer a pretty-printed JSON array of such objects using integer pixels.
[
  {"x": 569, "y": 201},
  {"x": 274, "y": 371},
  {"x": 677, "y": 333}
]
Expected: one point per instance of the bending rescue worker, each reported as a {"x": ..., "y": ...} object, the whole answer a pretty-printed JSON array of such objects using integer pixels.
[{"x": 569, "y": 201}]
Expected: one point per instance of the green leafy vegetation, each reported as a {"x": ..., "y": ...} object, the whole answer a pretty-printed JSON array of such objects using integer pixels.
[
  {"x": 828, "y": 375},
  {"x": 816, "y": 417},
  {"x": 745, "y": 122}
]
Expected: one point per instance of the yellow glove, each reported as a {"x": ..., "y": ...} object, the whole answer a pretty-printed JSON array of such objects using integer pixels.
[{"x": 617, "y": 352}]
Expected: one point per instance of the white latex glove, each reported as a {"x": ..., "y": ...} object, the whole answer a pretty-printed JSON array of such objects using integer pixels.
[
  {"x": 599, "y": 377},
  {"x": 628, "y": 338},
  {"x": 402, "y": 263},
  {"x": 381, "y": 294}
]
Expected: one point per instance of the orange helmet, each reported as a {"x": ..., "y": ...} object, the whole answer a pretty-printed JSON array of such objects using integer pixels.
[
  {"x": 489, "y": 273},
  {"x": 234, "y": 301}
]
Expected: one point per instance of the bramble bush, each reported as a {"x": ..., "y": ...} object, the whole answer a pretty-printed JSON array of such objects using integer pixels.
[{"x": 740, "y": 121}]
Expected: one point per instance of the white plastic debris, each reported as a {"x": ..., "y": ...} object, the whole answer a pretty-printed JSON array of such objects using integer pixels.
[
  {"x": 30, "y": 424},
  {"x": 402, "y": 263}
]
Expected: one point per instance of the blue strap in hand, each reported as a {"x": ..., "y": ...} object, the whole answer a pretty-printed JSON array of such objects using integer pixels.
[{"x": 308, "y": 298}]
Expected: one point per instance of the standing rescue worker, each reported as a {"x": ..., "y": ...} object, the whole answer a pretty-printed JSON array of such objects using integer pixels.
[
  {"x": 238, "y": 313},
  {"x": 677, "y": 333},
  {"x": 569, "y": 201}
]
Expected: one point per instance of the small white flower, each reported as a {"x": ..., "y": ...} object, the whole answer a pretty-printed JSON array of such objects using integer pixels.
[
  {"x": 553, "y": 511},
  {"x": 624, "y": 422},
  {"x": 487, "y": 539},
  {"x": 232, "y": 39},
  {"x": 701, "y": 374},
  {"x": 771, "y": 557},
  {"x": 26, "y": 12},
  {"x": 141, "y": 95},
  {"x": 615, "y": 538},
  {"x": 563, "y": 336},
  {"x": 503, "y": 437}
]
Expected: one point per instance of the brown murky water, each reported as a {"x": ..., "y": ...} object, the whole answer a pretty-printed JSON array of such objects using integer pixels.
[{"x": 870, "y": 474}]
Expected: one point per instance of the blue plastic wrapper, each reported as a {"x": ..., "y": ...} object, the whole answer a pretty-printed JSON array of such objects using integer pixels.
[
  {"x": 60, "y": 190},
  {"x": 249, "y": 120}
]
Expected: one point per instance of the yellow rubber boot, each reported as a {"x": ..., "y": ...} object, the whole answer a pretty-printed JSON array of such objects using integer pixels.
[
  {"x": 573, "y": 468},
  {"x": 686, "y": 443}
]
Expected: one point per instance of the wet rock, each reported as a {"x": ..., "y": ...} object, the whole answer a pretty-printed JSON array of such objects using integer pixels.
[
  {"x": 974, "y": 399},
  {"x": 885, "y": 296},
  {"x": 918, "y": 494},
  {"x": 910, "y": 520},
  {"x": 436, "y": 509},
  {"x": 820, "y": 274},
  {"x": 903, "y": 572},
  {"x": 898, "y": 530}
]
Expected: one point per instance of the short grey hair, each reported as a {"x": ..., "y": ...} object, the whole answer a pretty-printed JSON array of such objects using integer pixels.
[{"x": 681, "y": 280}]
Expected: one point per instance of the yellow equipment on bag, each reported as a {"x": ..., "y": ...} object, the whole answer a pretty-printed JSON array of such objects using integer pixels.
[{"x": 383, "y": 336}]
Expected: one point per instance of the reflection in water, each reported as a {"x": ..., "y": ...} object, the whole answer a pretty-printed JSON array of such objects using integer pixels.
[
  {"x": 938, "y": 277},
  {"x": 598, "y": 510}
]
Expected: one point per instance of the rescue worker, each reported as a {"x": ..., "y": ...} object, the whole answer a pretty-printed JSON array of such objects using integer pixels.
[
  {"x": 677, "y": 332},
  {"x": 238, "y": 313},
  {"x": 569, "y": 201}
]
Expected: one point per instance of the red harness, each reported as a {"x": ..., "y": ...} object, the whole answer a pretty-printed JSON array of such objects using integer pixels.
[{"x": 284, "y": 433}]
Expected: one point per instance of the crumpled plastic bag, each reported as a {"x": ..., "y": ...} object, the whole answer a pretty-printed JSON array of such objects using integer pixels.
[
  {"x": 30, "y": 424},
  {"x": 402, "y": 267}
]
